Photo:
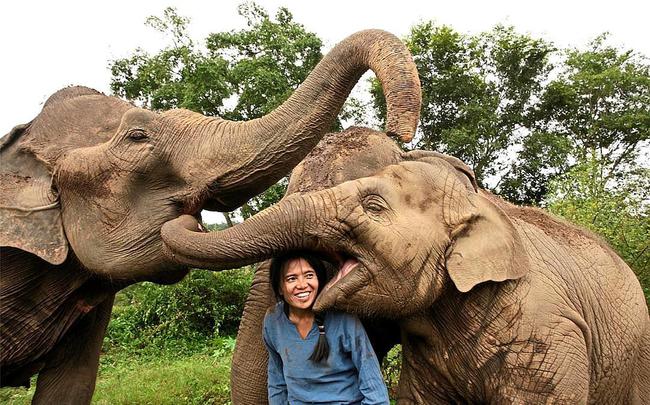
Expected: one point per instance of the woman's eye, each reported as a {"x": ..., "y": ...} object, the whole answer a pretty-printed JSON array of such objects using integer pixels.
[{"x": 137, "y": 135}]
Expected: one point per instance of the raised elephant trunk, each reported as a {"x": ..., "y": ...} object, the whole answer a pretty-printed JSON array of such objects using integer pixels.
[
  {"x": 268, "y": 146},
  {"x": 267, "y": 234}
]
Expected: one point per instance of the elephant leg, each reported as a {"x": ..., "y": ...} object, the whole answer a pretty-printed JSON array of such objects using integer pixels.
[
  {"x": 71, "y": 369},
  {"x": 249, "y": 365},
  {"x": 550, "y": 366}
]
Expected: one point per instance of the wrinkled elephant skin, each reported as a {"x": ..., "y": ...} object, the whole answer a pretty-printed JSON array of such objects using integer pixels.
[
  {"x": 494, "y": 303},
  {"x": 86, "y": 187}
]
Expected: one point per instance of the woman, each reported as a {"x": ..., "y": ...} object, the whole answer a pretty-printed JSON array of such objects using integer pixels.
[{"x": 325, "y": 358}]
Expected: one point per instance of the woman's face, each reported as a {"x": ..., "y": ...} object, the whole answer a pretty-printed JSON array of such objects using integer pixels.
[{"x": 299, "y": 284}]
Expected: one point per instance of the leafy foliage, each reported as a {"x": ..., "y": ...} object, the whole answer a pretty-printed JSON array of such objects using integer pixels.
[
  {"x": 598, "y": 103},
  {"x": 201, "y": 307},
  {"x": 266, "y": 199},
  {"x": 391, "y": 367},
  {"x": 617, "y": 209},
  {"x": 267, "y": 61},
  {"x": 259, "y": 66},
  {"x": 477, "y": 91},
  {"x": 497, "y": 102},
  {"x": 179, "y": 76}
]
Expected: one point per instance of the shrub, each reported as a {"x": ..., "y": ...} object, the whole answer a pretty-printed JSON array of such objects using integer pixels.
[
  {"x": 391, "y": 368},
  {"x": 202, "y": 306}
]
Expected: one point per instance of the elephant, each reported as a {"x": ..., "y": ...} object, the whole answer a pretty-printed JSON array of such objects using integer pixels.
[
  {"x": 491, "y": 302},
  {"x": 89, "y": 182}
]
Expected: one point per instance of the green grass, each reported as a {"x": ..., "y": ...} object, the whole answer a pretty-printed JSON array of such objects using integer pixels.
[
  {"x": 197, "y": 379},
  {"x": 200, "y": 378},
  {"x": 163, "y": 377}
]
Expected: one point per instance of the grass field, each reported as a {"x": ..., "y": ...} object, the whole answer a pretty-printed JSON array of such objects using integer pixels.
[{"x": 200, "y": 378}]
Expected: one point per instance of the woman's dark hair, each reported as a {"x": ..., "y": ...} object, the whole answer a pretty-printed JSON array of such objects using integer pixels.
[{"x": 322, "y": 348}]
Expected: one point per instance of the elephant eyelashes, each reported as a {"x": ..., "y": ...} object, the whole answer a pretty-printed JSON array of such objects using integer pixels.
[
  {"x": 374, "y": 204},
  {"x": 137, "y": 136}
]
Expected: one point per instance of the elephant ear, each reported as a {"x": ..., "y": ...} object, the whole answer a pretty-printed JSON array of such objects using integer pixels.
[
  {"x": 30, "y": 215},
  {"x": 486, "y": 246}
]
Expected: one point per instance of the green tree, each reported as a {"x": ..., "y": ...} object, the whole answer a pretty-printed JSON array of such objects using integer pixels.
[
  {"x": 186, "y": 315},
  {"x": 477, "y": 91},
  {"x": 179, "y": 76},
  {"x": 239, "y": 75},
  {"x": 617, "y": 208},
  {"x": 598, "y": 104},
  {"x": 267, "y": 61}
]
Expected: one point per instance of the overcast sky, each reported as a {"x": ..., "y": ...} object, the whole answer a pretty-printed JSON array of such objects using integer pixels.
[{"x": 47, "y": 45}]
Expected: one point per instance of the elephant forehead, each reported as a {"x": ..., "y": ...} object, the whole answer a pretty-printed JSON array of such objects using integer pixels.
[
  {"x": 435, "y": 174},
  {"x": 352, "y": 154},
  {"x": 138, "y": 117},
  {"x": 72, "y": 124}
]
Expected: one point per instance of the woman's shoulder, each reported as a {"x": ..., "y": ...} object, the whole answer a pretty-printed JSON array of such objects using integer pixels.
[{"x": 274, "y": 312}]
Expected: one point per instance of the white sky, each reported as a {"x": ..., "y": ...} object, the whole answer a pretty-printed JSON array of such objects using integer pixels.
[{"x": 47, "y": 45}]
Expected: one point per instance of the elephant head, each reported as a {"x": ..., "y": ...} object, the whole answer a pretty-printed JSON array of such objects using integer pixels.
[
  {"x": 100, "y": 177},
  {"x": 414, "y": 227}
]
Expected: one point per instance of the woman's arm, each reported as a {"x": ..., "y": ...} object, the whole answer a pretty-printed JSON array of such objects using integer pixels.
[
  {"x": 277, "y": 387},
  {"x": 371, "y": 381}
]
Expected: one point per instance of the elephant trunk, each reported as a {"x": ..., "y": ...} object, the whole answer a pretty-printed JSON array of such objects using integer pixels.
[
  {"x": 269, "y": 146},
  {"x": 280, "y": 228}
]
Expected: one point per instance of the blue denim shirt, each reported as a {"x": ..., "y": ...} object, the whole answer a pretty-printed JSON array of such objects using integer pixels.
[{"x": 351, "y": 374}]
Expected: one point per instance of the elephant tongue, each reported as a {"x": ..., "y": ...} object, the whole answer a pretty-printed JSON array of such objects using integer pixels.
[{"x": 346, "y": 268}]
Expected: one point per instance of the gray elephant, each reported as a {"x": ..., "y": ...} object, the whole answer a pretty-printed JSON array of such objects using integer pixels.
[
  {"x": 86, "y": 186},
  {"x": 492, "y": 303}
]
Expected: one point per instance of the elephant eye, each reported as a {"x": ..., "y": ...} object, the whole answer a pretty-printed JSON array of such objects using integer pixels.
[
  {"x": 374, "y": 204},
  {"x": 137, "y": 135}
]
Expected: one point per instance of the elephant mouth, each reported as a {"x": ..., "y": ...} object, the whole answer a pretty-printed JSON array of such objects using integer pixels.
[
  {"x": 351, "y": 278},
  {"x": 347, "y": 264},
  {"x": 193, "y": 207}
]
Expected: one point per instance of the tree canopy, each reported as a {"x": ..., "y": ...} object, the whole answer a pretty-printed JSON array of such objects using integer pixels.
[
  {"x": 477, "y": 91},
  {"x": 597, "y": 107},
  {"x": 238, "y": 75},
  {"x": 521, "y": 112},
  {"x": 617, "y": 209}
]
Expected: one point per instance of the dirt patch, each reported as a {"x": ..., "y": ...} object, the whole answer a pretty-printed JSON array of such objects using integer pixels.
[{"x": 341, "y": 156}]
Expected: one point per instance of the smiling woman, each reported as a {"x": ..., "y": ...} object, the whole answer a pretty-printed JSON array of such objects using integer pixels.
[{"x": 302, "y": 368}]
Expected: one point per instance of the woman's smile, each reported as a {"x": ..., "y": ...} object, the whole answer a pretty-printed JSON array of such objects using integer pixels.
[
  {"x": 303, "y": 295},
  {"x": 299, "y": 284}
]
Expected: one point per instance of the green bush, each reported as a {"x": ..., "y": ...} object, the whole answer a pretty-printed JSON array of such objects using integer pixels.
[
  {"x": 391, "y": 367},
  {"x": 179, "y": 317}
]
